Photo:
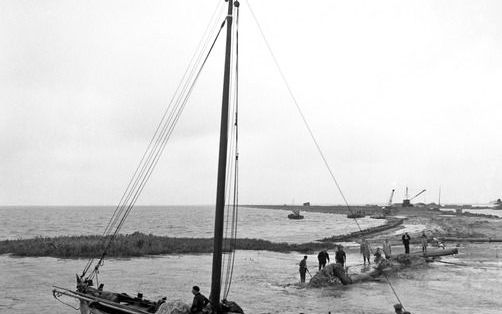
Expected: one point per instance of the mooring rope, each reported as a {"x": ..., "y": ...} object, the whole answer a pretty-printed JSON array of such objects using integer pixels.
[{"x": 56, "y": 296}]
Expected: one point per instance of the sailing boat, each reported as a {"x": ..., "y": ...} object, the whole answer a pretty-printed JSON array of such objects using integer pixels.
[
  {"x": 295, "y": 214},
  {"x": 498, "y": 204},
  {"x": 95, "y": 299}
]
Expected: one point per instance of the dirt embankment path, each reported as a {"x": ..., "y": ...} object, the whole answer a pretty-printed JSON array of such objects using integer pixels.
[{"x": 414, "y": 220}]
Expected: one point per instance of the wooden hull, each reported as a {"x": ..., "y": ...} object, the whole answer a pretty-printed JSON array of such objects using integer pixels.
[
  {"x": 86, "y": 309},
  {"x": 378, "y": 217},
  {"x": 293, "y": 216},
  {"x": 91, "y": 304},
  {"x": 119, "y": 303}
]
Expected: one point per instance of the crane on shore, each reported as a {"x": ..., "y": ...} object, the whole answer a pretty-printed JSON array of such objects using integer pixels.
[
  {"x": 389, "y": 204},
  {"x": 407, "y": 200},
  {"x": 386, "y": 209}
]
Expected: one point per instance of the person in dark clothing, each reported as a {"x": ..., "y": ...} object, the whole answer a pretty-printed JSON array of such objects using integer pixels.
[
  {"x": 398, "y": 308},
  {"x": 303, "y": 268},
  {"x": 378, "y": 256},
  {"x": 323, "y": 256},
  {"x": 406, "y": 241},
  {"x": 340, "y": 256},
  {"x": 199, "y": 301}
]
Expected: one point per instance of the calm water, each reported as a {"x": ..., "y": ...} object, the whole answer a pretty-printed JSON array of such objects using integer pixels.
[
  {"x": 264, "y": 282},
  {"x": 176, "y": 221}
]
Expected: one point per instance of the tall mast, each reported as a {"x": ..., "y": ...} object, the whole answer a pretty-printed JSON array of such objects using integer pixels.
[
  {"x": 439, "y": 197},
  {"x": 222, "y": 167}
]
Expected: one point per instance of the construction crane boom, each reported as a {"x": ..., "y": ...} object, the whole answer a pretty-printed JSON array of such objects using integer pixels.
[
  {"x": 418, "y": 194},
  {"x": 391, "y": 196}
]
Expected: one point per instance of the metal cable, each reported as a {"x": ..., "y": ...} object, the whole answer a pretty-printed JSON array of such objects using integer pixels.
[
  {"x": 235, "y": 206},
  {"x": 310, "y": 131},
  {"x": 156, "y": 151},
  {"x": 119, "y": 210}
]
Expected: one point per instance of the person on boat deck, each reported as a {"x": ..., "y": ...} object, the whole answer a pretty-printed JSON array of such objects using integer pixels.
[
  {"x": 199, "y": 301},
  {"x": 322, "y": 257},
  {"x": 378, "y": 256},
  {"x": 387, "y": 249},
  {"x": 406, "y": 241},
  {"x": 340, "y": 256},
  {"x": 365, "y": 251},
  {"x": 303, "y": 268},
  {"x": 398, "y": 308},
  {"x": 424, "y": 242}
]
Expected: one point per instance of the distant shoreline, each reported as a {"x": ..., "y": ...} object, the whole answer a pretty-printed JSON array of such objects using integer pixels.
[{"x": 437, "y": 223}]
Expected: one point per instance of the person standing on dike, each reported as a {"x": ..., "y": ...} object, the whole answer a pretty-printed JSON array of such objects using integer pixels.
[
  {"x": 340, "y": 256},
  {"x": 424, "y": 242},
  {"x": 387, "y": 249},
  {"x": 365, "y": 251},
  {"x": 406, "y": 241},
  {"x": 303, "y": 269},
  {"x": 323, "y": 256}
]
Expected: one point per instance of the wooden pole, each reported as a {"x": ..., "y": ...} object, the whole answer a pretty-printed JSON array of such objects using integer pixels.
[{"x": 222, "y": 169}]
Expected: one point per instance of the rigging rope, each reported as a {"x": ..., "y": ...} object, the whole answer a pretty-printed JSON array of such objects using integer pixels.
[
  {"x": 230, "y": 155},
  {"x": 302, "y": 115},
  {"x": 311, "y": 133},
  {"x": 159, "y": 140},
  {"x": 190, "y": 69},
  {"x": 235, "y": 205}
]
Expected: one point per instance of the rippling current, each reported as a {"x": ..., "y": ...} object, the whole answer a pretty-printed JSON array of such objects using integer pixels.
[{"x": 264, "y": 282}]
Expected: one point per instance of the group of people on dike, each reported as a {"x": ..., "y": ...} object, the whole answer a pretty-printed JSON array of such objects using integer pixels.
[
  {"x": 385, "y": 252},
  {"x": 423, "y": 240},
  {"x": 200, "y": 302},
  {"x": 323, "y": 258},
  {"x": 379, "y": 254}
]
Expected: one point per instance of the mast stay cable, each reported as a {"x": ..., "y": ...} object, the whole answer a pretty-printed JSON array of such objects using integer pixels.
[
  {"x": 160, "y": 138},
  {"x": 232, "y": 240},
  {"x": 311, "y": 133}
]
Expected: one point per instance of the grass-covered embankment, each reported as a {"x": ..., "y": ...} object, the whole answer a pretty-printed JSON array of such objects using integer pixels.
[
  {"x": 391, "y": 223},
  {"x": 138, "y": 244}
]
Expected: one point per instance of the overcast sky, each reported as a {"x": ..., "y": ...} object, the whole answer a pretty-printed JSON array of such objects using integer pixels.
[{"x": 399, "y": 93}]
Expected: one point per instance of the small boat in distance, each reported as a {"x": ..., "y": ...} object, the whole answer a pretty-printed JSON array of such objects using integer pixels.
[
  {"x": 295, "y": 214},
  {"x": 498, "y": 204},
  {"x": 357, "y": 214}
]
